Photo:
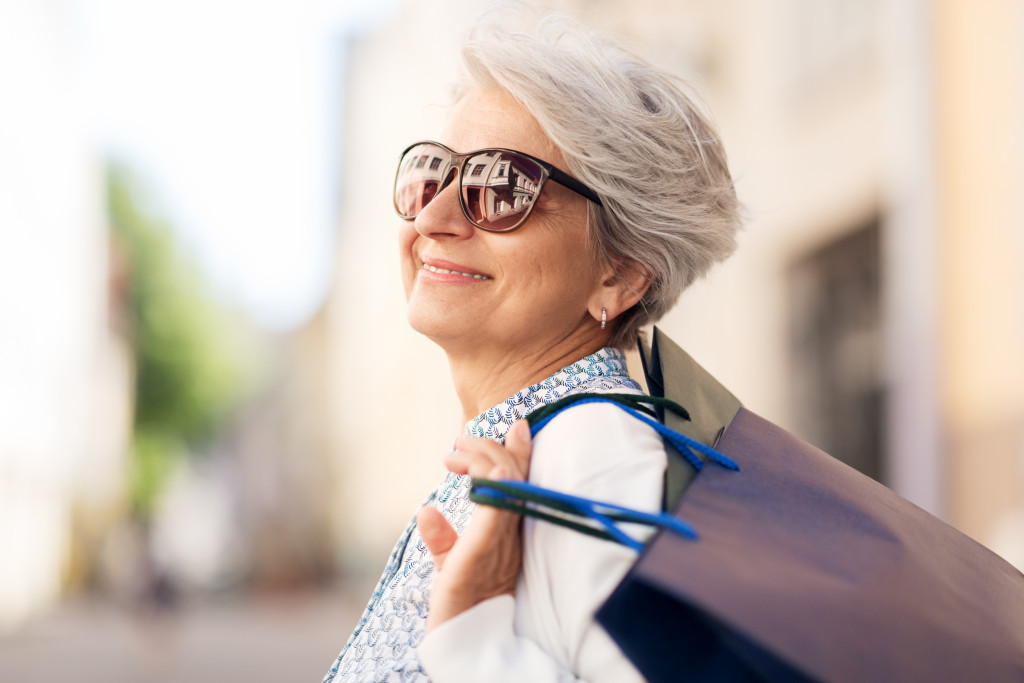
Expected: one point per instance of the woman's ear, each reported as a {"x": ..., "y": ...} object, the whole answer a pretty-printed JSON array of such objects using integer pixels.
[{"x": 621, "y": 289}]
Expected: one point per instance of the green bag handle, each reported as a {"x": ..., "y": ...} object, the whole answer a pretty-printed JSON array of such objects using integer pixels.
[{"x": 674, "y": 374}]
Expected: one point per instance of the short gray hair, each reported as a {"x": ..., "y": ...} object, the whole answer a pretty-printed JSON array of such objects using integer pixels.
[{"x": 633, "y": 133}]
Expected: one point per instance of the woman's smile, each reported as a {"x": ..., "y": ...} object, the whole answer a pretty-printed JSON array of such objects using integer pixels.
[{"x": 443, "y": 271}]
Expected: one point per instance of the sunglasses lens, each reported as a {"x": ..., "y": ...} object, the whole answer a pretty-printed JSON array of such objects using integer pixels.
[
  {"x": 420, "y": 173},
  {"x": 499, "y": 188}
]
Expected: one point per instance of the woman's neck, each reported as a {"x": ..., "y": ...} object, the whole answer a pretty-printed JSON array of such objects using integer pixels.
[{"x": 483, "y": 379}]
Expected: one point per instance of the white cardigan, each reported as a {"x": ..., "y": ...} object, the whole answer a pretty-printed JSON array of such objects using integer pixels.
[{"x": 547, "y": 631}]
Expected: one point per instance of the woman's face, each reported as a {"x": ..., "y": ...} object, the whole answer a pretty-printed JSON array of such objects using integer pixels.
[{"x": 469, "y": 289}]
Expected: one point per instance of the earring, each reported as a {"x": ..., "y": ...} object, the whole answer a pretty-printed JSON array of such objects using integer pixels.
[{"x": 604, "y": 316}]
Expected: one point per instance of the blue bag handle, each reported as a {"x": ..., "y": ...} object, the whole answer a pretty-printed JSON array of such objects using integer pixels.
[{"x": 587, "y": 516}]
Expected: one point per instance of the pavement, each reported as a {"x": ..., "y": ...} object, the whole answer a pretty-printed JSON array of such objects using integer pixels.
[{"x": 290, "y": 636}]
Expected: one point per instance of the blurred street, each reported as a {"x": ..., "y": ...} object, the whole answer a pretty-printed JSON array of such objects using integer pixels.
[{"x": 280, "y": 637}]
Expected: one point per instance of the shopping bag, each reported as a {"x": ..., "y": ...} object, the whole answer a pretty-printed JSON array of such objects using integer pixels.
[{"x": 805, "y": 569}]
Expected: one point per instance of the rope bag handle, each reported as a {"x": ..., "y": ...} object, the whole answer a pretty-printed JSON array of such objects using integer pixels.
[{"x": 585, "y": 515}]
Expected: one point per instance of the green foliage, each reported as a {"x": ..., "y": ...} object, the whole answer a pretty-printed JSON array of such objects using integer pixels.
[
  {"x": 155, "y": 453},
  {"x": 188, "y": 372}
]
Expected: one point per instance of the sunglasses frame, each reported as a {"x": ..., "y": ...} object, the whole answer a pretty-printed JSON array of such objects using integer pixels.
[{"x": 548, "y": 171}]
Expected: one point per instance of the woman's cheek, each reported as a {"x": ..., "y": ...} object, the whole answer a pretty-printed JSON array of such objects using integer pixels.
[{"x": 406, "y": 240}]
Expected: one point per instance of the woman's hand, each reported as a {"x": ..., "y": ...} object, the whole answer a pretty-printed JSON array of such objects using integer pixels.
[{"x": 484, "y": 561}]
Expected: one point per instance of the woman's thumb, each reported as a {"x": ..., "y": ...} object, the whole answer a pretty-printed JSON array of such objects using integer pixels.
[{"x": 437, "y": 533}]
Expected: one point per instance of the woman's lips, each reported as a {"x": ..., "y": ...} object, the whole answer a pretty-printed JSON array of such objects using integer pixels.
[{"x": 442, "y": 268}]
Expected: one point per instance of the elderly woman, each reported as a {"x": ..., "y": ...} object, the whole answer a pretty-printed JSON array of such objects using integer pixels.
[{"x": 573, "y": 194}]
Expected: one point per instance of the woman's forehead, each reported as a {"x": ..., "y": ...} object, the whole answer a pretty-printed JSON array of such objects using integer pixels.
[{"x": 493, "y": 118}]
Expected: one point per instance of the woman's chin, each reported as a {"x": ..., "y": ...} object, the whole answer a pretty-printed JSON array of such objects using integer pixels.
[{"x": 433, "y": 323}]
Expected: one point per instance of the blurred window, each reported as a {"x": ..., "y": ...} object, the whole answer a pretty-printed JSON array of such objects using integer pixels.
[{"x": 836, "y": 349}]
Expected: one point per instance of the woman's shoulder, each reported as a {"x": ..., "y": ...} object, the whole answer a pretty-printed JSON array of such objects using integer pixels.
[
  {"x": 586, "y": 442},
  {"x": 588, "y": 423},
  {"x": 586, "y": 417}
]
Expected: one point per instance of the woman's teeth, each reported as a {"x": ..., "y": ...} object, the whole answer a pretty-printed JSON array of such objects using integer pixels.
[{"x": 445, "y": 271}]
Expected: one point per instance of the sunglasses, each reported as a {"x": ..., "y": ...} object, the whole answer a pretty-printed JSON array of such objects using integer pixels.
[{"x": 497, "y": 187}]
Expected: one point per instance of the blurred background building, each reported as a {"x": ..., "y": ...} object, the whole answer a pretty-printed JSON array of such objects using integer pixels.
[
  {"x": 875, "y": 305},
  {"x": 64, "y": 375}
]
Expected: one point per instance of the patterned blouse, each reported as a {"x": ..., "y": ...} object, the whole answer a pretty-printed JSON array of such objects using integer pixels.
[{"x": 383, "y": 645}]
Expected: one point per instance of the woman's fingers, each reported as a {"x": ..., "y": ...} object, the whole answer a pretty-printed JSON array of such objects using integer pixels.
[
  {"x": 485, "y": 560},
  {"x": 518, "y": 445},
  {"x": 479, "y": 457},
  {"x": 469, "y": 461},
  {"x": 482, "y": 564},
  {"x": 437, "y": 533}
]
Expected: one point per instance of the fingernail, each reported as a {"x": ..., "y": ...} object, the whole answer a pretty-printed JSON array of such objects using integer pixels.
[{"x": 522, "y": 430}]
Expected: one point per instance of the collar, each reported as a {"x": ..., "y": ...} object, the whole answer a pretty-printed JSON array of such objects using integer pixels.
[{"x": 605, "y": 368}]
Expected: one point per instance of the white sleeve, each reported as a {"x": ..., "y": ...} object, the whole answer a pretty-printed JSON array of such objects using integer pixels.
[{"x": 548, "y": 632}]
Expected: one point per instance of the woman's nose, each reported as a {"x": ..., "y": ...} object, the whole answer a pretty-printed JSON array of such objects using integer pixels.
[{"x": 443, "y": 215}]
